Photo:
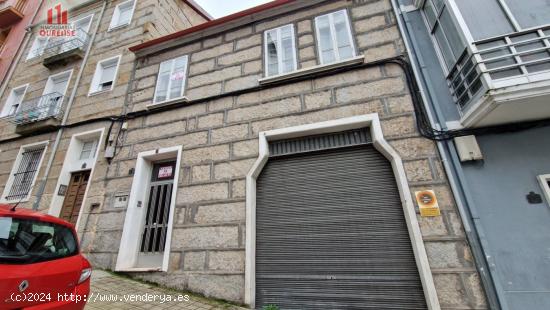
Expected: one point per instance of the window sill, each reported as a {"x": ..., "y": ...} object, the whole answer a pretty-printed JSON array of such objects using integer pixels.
[
  {"x": 118, "y": 27},
  {"x": 311, "y": 70},
  {"x": 3, "y": 200},
  {"x": 167, "y": 103},
  {"x": 99, "y": 92}
]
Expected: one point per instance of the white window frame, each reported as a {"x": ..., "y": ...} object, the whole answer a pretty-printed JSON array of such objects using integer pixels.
[
  {"x": 97, "y": 76},
  {"x": 279, "y": 50},
  {"x": 116, "y": 15},
  {"x": 543, "y": 181},
  {"x": 9, "y": 103},
  {"x": 184, "y": 81},
  {"x": 34, "y": 54},
  {"x": 15, "y": 167},
  {"x": 93, "y": 151},
  {"x": 333, "y": 36}
]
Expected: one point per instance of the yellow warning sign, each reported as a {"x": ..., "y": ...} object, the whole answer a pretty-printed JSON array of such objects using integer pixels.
[{"x": 427, "y": 203}]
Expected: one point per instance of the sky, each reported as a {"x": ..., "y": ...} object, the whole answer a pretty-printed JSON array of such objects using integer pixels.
[{"x": 219, "y": 8}]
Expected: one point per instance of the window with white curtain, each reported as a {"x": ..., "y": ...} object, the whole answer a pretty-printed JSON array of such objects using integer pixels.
[
  {"x": 280, "y": 50},
  {"x": 105, "y": 74},
  {"x": 88, "y": 149},
  {"x": 171, "y": 79},
  {"x": 334, "y": 40},
  {"x": 122, "y": 15}
]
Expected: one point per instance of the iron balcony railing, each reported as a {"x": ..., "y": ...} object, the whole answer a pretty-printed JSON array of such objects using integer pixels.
[
  {"x": 61, "y": 45},
  {"x": 41, "y": 108},
  {"x": 512, "y": 59}
]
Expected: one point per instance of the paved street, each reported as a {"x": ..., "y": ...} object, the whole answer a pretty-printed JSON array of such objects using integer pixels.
[{"x": 113, "y": 292}]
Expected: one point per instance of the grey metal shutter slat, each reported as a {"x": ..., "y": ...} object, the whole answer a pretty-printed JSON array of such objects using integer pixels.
[{"x": 330, "y": 231}]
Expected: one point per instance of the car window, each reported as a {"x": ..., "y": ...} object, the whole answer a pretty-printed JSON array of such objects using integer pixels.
[{"x": 28, "y": 241}]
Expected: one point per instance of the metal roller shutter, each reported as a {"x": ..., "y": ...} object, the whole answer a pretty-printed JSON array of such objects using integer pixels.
[{"x": 331, "y": 234}]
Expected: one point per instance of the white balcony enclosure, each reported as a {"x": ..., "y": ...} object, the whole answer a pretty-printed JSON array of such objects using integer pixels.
[{"x": 503, "y": 80}]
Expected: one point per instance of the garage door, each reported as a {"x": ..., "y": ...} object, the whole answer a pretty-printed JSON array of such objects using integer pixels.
[{"x": 330, "y": 229}]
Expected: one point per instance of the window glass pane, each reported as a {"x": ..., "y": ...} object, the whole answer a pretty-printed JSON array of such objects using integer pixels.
[
  {"x": 455, "y": 41},
  {"x": 178, "y": 77},
  {"x": 342, "y": 35},
  {"x": 429, "y": 12},
  {"x": 125, "y": 14},
  {"x": 272, "y": 63},
  {"x": 288, "y": 55},
  {"x": 325, "y": 40},
  {"x": 438, "y": 4},
  {"x": 485, "y": 18},
  {"x": 162, "y": 81},
  {"x": 444, "y": 47},
  {"x": 88, "y": 149}
]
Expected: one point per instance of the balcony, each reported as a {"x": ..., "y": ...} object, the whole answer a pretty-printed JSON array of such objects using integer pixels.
[
  {"x": 504, "y": 79},
  {"x": 11, "y": 12},
  {"x": 39, "y": 113},
  {"x": 62, "y": 50}
]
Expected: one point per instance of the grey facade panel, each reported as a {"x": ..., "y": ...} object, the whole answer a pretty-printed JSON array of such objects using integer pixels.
[
  {"x": 331, "y": 234},
  {"x": 517, "y": 233}
]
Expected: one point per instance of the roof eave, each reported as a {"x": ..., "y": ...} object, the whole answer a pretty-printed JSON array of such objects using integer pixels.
[{"x": 222, "y": 24}]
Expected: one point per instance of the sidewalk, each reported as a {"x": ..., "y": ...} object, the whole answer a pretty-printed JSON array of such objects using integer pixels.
[{"x": 113, "y": 292}]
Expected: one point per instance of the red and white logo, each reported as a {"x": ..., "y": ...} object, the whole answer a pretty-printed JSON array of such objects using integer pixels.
[{"x": 57, "y": 24}]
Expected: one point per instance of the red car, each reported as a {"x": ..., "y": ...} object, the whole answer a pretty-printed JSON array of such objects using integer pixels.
[{"x": 41, "y": 266}]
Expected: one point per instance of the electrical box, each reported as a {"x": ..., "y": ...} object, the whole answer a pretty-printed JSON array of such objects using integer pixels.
[
  {"x": 468, "y": 148},
  {"x": 120, "y": 200},
  {"x": 109, "y": 152}
]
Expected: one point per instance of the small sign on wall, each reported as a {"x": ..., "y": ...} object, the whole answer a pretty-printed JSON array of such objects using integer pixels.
[
  {"x": 62, "y": 190},
  {"x": 165, "y": 172},
  {"x": 427, "y": 203}
]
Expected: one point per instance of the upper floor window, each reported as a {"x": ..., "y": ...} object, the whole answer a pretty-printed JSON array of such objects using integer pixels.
[
  {"x": 105, "y": 74},
  {"x": 280, "y": 50},
  {"x": 334, "y": 40},
  {"x": 122, "y": 15},
  {"x": 445, "y": 33},
  {"x": 37, "y": 47},
  {"x": 14, "y": 100},
  {"x": 88, "y": 149},
  {"x": 24, "y": 172},
  {"x": 171, "y": 79}
]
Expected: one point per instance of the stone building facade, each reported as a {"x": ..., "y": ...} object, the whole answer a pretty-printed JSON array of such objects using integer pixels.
[{"x": 213, "y": 134}]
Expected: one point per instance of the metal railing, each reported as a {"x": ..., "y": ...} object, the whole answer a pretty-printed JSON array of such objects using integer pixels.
[
  {"x": 61, "y": 45},
  {"x": 41, "y": 108},
  {"x": 511, "y": 59}
]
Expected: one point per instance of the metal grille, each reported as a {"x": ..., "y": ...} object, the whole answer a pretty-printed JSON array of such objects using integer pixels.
[
  {"x": 320, "y": 142},
  {"x": 38, "y": 109},
  {"x": 24, "y": 176},
  {"x": 331, "y": 234},
  {"x": 156, "y": 221}
]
